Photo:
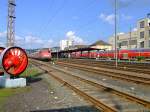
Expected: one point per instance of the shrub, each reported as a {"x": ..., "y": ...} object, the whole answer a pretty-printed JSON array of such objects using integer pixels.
[{"x": 140, "y": 58}]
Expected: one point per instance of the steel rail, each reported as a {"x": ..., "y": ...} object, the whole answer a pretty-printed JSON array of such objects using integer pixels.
[
  {"x": 106, "y": 65},
  {"x": 135, "y": 79},
  {"x": 117, "y": 92},
  {"x": 98, "y": 104},
  {"x": 140, "y": 65},
  {"x": 123, "y": 67}
]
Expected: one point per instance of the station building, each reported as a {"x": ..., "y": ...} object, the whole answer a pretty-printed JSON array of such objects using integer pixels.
[
  {"x": 100, "y": 44},
  {"x": 138, "y": 38}
]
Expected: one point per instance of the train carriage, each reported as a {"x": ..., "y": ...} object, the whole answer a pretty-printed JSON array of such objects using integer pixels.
[{"x": 122, "y": 54}]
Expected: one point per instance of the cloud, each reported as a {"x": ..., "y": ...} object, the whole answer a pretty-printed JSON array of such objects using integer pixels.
[
  {"x": 111, "y": 18},
  {"x": 30, "y": 41},
  {"x": 33, "y": 40},
  {"x": 76, "y": 39},
  {"x": 3, "y": 34},
  {"x": 120, "y": 33},
  {"x": 48, "y": 43},
  {"x": 134, "y": 29},
  {"x": 27, "y": 41},
  {"x": 2, "y": 44},
  {"x": 3, "y": 38},
  {"x": 107, "y": 18},
  {"x": 37, "y": 42},
  {"x": 70, "y": 34},
  {"x": 126, "y": 17}
]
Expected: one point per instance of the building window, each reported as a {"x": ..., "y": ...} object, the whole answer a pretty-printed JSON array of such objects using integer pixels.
[
  {"x": 142, "y": 44},
  {"x": 142, "y": 34},
  {"x": 119, "y": 45},
  {"x": 124, "y": 43},
  {"x": 142, "y": 24},
  {"x": 132, "y": 42}
]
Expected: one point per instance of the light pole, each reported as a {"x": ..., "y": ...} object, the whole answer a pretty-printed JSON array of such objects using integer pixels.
[
  {"x": 116, "y": 54},
  {"x": 57, "y": 54}
]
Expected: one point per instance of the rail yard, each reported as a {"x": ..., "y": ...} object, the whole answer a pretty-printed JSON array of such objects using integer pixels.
[
  {"x": 76, "y": 84},
  {"x": 108, "y": 89},
  {"x": 74, "y": 56}
]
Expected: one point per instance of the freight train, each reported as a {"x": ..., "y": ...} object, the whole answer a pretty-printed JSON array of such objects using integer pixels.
[
  {"x": 122, "y": 54},
  {"x": 43, "y": 54}
]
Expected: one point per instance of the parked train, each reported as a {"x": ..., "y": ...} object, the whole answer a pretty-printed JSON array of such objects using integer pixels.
[
  {"x": 43, "y": 54},
  {"x": 121, "y": 54}
]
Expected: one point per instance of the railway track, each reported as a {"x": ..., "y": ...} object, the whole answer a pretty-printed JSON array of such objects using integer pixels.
[
  {"x": 117, "y": 74},
  {"x": 121, "y": 66},
  {"x": 104, "y": 98}
]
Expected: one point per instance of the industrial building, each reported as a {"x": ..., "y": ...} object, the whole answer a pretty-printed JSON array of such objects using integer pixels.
[{"x": 138, "y": 38}]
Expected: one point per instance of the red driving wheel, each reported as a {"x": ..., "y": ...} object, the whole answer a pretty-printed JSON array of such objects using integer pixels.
[{"x": 14, "y": 61}]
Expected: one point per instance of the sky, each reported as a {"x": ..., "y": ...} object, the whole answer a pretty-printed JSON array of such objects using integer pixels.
[{"x": 43, "y": 23}]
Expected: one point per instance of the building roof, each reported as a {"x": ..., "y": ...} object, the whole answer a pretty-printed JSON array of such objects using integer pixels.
[
  {"x": 77, "y": 50},
  {"x": 100, "y": 42},
  {"x": 80, "y": 46}
]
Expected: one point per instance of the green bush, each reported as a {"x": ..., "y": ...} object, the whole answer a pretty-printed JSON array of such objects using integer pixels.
[{"x": 140, "y": 58}]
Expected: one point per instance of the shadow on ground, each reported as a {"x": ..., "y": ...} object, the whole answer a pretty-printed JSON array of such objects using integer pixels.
[
  {"x": 72, "y": 109},
  {"x": 35, "y": 78}
]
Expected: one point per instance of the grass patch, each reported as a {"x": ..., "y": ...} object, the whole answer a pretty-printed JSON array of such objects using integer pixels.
[{"x": 30, "y": 72}]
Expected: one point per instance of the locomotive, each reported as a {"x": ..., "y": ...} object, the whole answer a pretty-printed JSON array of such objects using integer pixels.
[
  {"x": 43, "y": 54},
  {"x": 122, "y": 54}
]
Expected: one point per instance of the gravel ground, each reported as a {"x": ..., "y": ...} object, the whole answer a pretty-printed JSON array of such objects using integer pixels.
[{"x": 47, "y": 95}]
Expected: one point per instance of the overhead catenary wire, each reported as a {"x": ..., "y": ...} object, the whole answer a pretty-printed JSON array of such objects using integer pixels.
[
  {"x": 42, "y": 26},
  {"x": 53, "y": 17},
  {"x": 90, "y": 4}
]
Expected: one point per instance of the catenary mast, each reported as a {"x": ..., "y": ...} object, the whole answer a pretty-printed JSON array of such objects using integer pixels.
[{"x": 11, "y": 23}]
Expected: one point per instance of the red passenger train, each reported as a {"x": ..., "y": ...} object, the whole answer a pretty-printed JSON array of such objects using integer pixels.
[
  {"x": 122, "y": 54},
  {"x": 43, "y": 54}
]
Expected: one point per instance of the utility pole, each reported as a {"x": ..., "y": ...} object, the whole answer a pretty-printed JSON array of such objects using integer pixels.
[
  {"x": 130, "y": 38},
  {"x": 11, "y": 23},
  {"x": 116, "y": 51}
]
